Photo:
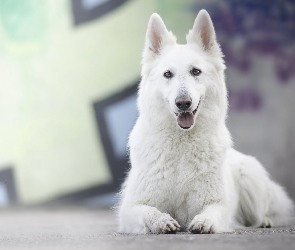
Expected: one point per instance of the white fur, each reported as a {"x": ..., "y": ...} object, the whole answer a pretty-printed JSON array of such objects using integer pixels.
[{"x": 191, "y": 178}]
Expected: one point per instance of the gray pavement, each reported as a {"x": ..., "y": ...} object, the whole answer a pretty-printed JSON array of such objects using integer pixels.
[{"x": 90, "y": 228}]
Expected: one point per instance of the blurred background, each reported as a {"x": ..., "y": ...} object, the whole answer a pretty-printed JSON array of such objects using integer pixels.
[{"x": 69, "y": 70}]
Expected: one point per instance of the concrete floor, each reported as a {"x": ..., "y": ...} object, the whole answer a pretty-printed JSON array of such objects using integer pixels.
[{"x": 85, "y": 228}]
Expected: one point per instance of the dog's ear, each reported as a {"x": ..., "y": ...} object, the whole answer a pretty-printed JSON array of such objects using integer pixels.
[
  {"x": 157, "y": 36},
  {"x": 203, "y": 34}
]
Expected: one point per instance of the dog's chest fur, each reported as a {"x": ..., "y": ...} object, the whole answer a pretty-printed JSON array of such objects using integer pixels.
[{"x": 179, "y": 173}]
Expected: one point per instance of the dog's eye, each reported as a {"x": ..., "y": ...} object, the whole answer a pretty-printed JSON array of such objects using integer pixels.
[
  {"x": 196, "y": 72},
  {"x": 168, "y": 74}
]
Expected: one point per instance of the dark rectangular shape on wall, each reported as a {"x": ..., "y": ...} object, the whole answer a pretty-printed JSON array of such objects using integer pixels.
[
  {"x": 7, "y": 180},
  {"x": 117, "y": 158},
  {"x": 86, "y": 10}
]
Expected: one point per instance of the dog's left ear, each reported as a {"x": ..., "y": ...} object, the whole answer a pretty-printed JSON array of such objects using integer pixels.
[{"x": 203, "y": 34}]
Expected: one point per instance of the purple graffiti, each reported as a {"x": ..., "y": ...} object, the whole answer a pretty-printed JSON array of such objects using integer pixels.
[
  {"x": 244, "y": 100},
  {"x": 261, "y": 27}
]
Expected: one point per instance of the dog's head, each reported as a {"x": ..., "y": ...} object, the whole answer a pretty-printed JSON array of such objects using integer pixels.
[{"x": 188, "y": 79}]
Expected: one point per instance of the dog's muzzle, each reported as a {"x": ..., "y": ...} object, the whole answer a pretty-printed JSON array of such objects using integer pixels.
[{"x": 186, "y": 118}]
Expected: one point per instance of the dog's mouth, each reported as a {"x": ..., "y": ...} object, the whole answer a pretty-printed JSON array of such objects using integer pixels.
[{"x": 186, "y": 119}]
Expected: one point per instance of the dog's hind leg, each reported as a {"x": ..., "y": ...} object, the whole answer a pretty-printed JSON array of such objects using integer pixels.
[
  {"x": 280, "y": 207},
  {"x": 262, "y": 202}
]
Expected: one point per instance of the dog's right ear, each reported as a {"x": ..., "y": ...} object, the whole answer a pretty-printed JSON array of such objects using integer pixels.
[{"x": 157, "y": 37}]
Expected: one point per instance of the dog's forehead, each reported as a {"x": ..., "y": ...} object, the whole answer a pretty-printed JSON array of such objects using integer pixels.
[{"x": 181, "y": 56}]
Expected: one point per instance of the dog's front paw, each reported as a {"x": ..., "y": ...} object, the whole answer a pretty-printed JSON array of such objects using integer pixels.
[
  {"x": 164, "y": 224},
  {"x": 202, "y": 225}
]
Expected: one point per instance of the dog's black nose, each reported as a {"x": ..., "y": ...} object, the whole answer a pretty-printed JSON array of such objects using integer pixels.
[{"x": 183, "y": 103}]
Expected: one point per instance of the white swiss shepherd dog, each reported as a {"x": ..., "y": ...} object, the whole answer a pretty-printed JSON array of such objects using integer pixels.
[{"x": 184, "y": 173}]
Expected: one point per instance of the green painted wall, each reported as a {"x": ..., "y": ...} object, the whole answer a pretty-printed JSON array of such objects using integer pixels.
[{"x": 51, "y": 72}]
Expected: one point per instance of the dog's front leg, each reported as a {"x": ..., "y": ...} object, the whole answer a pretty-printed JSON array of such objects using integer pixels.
[
  {"x": 142, "y": 219},
  {"x": 213, "y": 219}
]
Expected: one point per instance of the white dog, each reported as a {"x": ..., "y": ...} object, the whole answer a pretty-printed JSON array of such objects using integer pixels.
[{"x": 184, "y": 172}]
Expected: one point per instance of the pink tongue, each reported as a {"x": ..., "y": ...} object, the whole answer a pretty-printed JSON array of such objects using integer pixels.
[{"x": 185, "y": 120}]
